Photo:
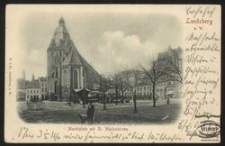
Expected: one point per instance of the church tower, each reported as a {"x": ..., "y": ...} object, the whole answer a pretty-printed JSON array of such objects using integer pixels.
[
  {"x": 66, "y": 68},
  {"x": 55, "y": 53}
]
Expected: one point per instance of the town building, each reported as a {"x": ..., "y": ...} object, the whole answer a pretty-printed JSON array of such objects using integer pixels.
[
  {"x": 67, "y": 70},
  {"x": 44, "y": 88},
  {"x": 33, "y": 91},
  {"x": 169, "y": 84},
  {"x": 144, "y": 91}
]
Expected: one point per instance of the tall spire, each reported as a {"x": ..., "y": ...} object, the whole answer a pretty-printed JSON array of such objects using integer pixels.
[
  {"x": 61, "y": 22},
  {"x": 61, "y": 34}
]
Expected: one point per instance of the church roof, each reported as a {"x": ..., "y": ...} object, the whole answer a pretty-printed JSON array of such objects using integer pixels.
[
  {"x": 61, "y": 40},
  {"x": 73, "y": 56}
]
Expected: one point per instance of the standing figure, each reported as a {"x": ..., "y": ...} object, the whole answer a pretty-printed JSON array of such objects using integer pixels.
[{"x": 90, "y": 114}]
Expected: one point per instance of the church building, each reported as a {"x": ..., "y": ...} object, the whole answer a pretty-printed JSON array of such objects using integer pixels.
[{"x": 67, "y": 70}]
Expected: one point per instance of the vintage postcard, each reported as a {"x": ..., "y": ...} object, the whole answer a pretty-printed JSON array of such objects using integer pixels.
[{"x": 113, "y": 74}]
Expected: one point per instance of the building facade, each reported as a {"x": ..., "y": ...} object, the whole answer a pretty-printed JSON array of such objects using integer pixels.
[
  {"x": 66, "y": 68},
  {"x": 44, "y": 88},
  {"x": 33, "y": 91},
  {"x": 144, "y": 91}
]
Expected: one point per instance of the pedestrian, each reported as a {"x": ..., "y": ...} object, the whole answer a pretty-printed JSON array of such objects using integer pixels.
[
  {"x": 90, "y": 112},
  {"x": 89, "y": 115}
]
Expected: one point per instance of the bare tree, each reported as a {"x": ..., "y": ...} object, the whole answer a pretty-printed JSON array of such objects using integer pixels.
[
  {"x": 154, "y": 73},
  {"x": 104, "y": 86},
  {"x": 173, "y": 69},
  {"x": 123, "y": 77},
  {"x": 132, "y": 80},
  {"x": 115, "y": 84}
]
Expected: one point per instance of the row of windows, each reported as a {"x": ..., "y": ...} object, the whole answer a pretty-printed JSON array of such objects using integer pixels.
[
  {"x": 148, "y": 93},
  {"x": 43, "y": 84},
  {"x": 44, "y": 89},
  {"x": 157, "y": 90},
  {"x": 144, "y": 88},
  {"x": 35, "y": 96},
  {"x": 140, "y": 89},
  {"x": 32, "y": 91}
]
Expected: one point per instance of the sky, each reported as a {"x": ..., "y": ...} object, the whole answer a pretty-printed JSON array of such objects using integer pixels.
[{"x": 108, "y": 39}]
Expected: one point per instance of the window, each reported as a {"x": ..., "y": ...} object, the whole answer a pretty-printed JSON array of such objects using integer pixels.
[
  {"x": 64, "y": 77},
  {"x": 56, "y": 73}
]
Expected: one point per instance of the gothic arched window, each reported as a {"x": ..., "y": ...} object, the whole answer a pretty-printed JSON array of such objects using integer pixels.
[
  {"x": 56, "y": 73},
  {"x": 75, "y": 79},
  {"x": 64, "y": 77}
]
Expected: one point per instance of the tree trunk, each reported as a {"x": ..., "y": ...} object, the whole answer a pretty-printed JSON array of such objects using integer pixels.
[
  {"x": 153, "y": 92},
  {"x": 70, "y": 99},
  {"x": 135, "y": 101},
  {"x": 116, "y": 96},
  {"x": 104, "y": 102},
  {"x": 122, "y": 96}
]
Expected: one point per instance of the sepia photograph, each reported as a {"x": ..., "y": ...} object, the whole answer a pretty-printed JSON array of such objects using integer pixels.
[
  {"x": 126, "y": 68},
  {"x": 99, "y": 70}
]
